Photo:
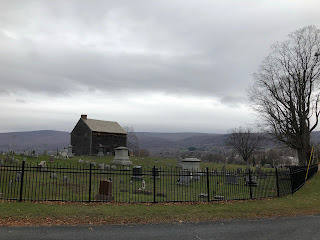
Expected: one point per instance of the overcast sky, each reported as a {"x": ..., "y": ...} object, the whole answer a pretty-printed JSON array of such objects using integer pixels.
[{"x": 164, "y": 66}]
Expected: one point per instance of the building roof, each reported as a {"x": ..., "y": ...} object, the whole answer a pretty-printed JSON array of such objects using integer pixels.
[{"x": 104, "y": 126}]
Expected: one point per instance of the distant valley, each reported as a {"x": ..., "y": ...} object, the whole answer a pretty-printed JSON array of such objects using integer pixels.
[{"x": 154, "y": 142}]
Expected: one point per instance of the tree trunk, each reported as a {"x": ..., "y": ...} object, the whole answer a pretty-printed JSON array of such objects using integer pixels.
[{"x": 302, "y": 155}]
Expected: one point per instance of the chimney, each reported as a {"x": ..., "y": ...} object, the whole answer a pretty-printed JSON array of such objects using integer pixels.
[{"x": 84, "y": 116}]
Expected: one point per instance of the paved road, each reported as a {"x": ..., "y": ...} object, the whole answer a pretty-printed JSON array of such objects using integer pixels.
[{"x": 280, "y": 228}]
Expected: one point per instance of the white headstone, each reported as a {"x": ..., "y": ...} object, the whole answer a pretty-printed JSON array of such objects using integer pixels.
[{"x": 70, "y": 154}]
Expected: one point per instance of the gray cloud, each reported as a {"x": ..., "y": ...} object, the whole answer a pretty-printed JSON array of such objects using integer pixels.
[{"x": 184, "y": 48}]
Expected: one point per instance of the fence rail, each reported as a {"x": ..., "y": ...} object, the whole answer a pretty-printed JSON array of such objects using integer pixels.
[{"x": 30, "y": 182}]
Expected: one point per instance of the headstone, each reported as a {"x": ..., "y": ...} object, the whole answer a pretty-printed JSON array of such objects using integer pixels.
[
  {"x": 87, "y": 162},
  {"x": 231, "y": 179},
  {"x": 218, "y": 198},
  {"x": 267, "y": 166},
  {"x": 100, "y": 152},
  {"x": 1, "y": 163},
  {"x": 155, "y": 173},
  {"x": 258, "y": 170},
  {"x": 184, "y": 177},
  {"x": 101, "y": 166},
  {"x": 143, "y": 184},
  {"x": 93, "y": 164},
  {"x": 64, "y": 153},
  {"x": 113, "y": 167},
  {"x": 53, "y": 175},
  {"x": 66, "y": 179},
  {"x": 239, "y": 170},
  {"x": 137, "y": 173},
  {"x": 70, "y": 154},
  {"x": 107, "y": 166},
  {"x": 253, "y": 181},
  {"x": 126, "y": 168},
  {"x": 51, "y": 159},
  {"x": 203, "y": 195},
  {"x": 121, "y": 156},
  {"x": 42, "y": 166},
  {"x": 80, "y": 161},
  {"x": 105, "y": 191},
  {"x": 10, "y": 183},
  {"x": 18, "y": 176},
  {"x": 161, "y": 194}
]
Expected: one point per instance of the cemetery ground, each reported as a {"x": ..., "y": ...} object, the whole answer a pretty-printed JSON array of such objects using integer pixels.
[
  {"x": 303, "y": 202},
  {"x": 78, "y": 180},
  {"x": 12, "y": 213}
]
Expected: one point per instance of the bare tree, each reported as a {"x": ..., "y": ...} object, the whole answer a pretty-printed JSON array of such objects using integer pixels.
[
  {"x": 132, "y": 139},
  {"x": 245, "y": 141},
  {"x": 286, "y": 90}
]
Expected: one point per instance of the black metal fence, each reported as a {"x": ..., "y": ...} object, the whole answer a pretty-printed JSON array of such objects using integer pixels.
[
  {"x": 300, "y": 175},
  {"x": 31, "y": 182}
]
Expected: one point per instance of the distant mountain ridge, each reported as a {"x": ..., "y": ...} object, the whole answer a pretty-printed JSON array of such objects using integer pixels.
[
  {"x": 152, "y": 141},
  {"x": 32, "y": 140}
]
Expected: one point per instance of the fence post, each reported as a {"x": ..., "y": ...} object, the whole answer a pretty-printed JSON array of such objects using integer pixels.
[
  {"x": 250, "y": 183},
  {"x": 154, "y": 183},
  {"x": 277, "y": 181},
  {"x": 90, "y": 182},
  {"x": 291, "y": 180},
  {"x": 21, "y": 185},
  {"x": 208, "y": 191}
]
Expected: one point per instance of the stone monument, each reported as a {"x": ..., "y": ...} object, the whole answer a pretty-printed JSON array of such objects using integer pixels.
[
  {"x": 121, "y": 156},
  {"x": 192, "y": 164}
]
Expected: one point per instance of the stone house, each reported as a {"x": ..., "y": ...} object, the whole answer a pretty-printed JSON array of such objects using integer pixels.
[{"x": 89, "y": 136}]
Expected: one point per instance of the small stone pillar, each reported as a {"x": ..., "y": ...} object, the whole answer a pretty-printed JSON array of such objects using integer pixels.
[
  {"x": 105, "y": 191},
  {"x": 100, "y": 153},
  {"x": 121, "y": 157},
  {"x": 70, "y": 154}
]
